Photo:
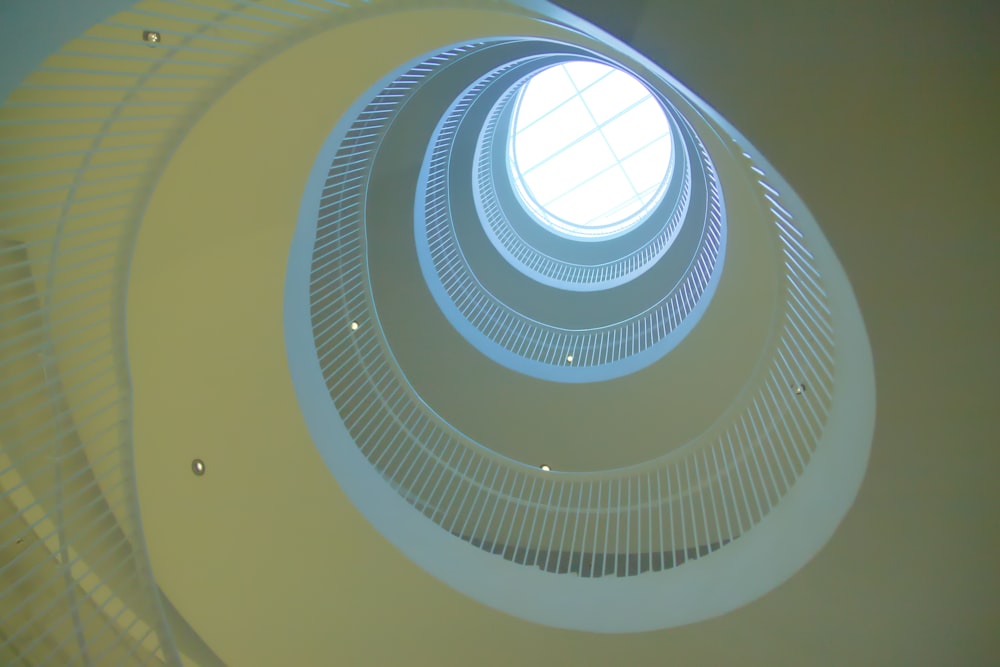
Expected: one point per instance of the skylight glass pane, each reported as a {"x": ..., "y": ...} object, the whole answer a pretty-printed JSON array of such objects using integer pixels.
[
  {"x": 603, "y": 193},
  {"x": 641, "y": 167},
  {"x": 557, "y": 88},
  {"x": 621, "y": 132},
  {"x": 613, "y": 95},
  {"x": 584, "y": 74},
  {"x": 574, "y": 166},
  {"x": 555, "y": 131},
  {"x": 589, "y": 149}
]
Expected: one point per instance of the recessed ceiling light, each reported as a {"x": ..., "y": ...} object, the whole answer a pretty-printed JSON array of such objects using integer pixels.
[
  {"x": 354, "y": 326},
  {"x": 569, "y": 358},
  {"x": 151, "y": 36},
  {"x": 198, "y": 467},
  {"x": 800, "y": 389},
  {"x": 545, "y": 467}
]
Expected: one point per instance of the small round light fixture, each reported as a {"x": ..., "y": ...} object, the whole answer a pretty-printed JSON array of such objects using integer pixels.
[
  {"x": 198, "y": 467},
  {"x": 545, "y": 467},
  {"x": 354, "y": 326},
  {"x": 151, "y": 37},
  {"x": 799, "y": 389},
  {"x": 569, "y": 358}
]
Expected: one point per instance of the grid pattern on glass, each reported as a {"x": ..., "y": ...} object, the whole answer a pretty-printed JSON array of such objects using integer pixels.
[{"x": 589, "y": 150}]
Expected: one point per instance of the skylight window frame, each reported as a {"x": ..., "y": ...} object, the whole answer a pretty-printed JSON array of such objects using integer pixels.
[{"x": 568, "y": 228}]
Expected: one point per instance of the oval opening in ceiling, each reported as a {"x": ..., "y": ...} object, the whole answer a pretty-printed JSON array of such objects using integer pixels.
[{"x": 589, "y": 152}]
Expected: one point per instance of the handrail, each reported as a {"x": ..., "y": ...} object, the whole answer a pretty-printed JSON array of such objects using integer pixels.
[
  {"x": 654, "y": 516},
  {"x": 541, "y": 342},
  {"x": 82, "y": 141}
]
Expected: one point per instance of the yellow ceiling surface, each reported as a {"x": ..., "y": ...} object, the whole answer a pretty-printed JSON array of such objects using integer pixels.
[{"x": 882, "y": 119}]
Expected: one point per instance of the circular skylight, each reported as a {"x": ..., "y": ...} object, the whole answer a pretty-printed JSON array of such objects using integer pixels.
[{"x": 589, "y": 150}]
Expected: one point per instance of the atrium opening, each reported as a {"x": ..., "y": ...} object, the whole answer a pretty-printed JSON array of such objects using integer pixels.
[{"x": 589, "y": 150}]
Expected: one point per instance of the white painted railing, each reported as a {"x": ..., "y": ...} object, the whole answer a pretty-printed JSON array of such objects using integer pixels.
[
  {"x": 82, "y": 140},
  {"x": 653, "y": 516}
]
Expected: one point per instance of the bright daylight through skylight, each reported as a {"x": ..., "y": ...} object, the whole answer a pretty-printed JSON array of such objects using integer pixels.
[{"x": 590, "y": 149}]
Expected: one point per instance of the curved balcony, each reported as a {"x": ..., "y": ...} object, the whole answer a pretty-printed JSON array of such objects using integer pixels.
[{"x": 84, "y": 139}]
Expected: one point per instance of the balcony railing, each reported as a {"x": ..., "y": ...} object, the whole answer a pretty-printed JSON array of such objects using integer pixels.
[{"x": 82, "y": 140}]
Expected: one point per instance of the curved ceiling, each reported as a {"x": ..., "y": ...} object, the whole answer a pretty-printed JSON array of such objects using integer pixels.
[
  {"x": 223, "y": 244},
  {"x": 212, "y": 252},
  {"x": 578, "y": 427}
]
